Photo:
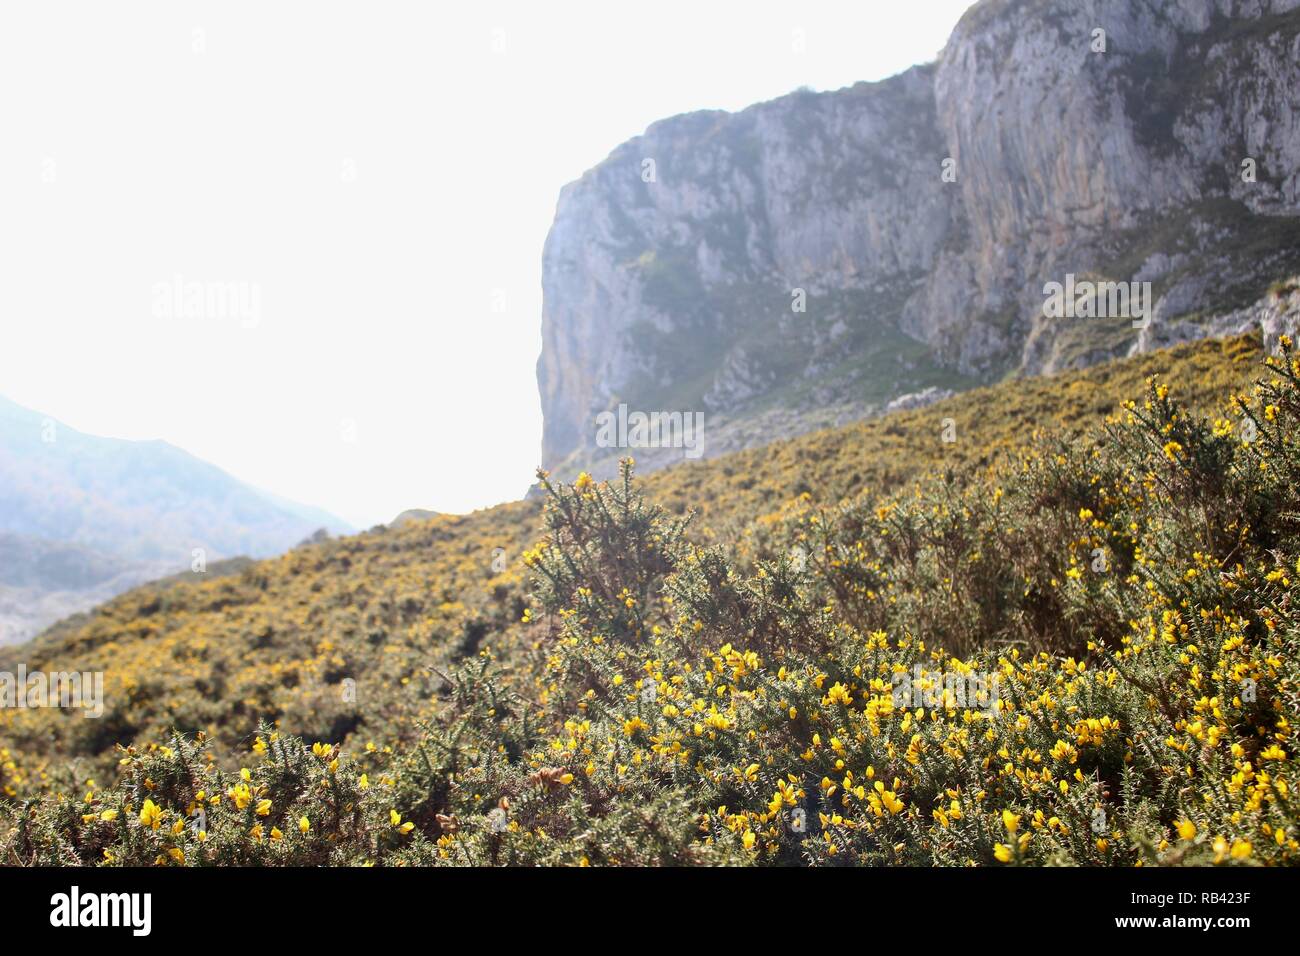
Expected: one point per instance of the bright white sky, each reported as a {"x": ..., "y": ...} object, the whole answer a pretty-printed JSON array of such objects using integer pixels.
[{"x": 377, "y": 171}]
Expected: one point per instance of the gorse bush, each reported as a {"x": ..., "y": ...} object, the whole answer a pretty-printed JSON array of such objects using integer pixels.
[
  {"x": 1083, "y": 654},
  {"x": 279, "y": 640}
]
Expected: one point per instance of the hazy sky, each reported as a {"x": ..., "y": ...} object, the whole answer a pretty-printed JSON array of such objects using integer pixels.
[{"x": 374, "y": 182}]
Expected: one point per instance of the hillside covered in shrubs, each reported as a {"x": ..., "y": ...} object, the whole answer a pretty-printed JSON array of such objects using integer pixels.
[{"x": 1066, "y": 635}]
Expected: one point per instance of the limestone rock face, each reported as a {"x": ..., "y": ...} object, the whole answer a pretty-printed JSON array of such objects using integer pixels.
[{"x": 833, "y": 251}]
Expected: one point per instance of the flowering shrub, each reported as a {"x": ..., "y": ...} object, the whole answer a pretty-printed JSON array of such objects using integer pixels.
[{"x": 1084, "y": 655}]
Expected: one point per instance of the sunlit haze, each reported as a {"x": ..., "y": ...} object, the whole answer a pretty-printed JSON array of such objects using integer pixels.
[{"x": 383, "y": 183}]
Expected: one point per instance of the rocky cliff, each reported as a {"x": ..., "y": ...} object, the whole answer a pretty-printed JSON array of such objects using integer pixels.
[{"x": 813, "y": 258}]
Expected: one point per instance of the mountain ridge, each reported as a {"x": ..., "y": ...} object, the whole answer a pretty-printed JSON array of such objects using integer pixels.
[{"x": 122, "y": 512}]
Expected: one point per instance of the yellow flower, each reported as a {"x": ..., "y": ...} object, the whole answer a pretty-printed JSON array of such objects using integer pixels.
[
  {"x": 151, "y": 815},
  {"x": 1220, "y": 848},
  {"x": 1011, "y": 821},
  {"x": 263, "y": 808},
  {"x": 1186, "y": 829},
  {"x": 1002, "y": 852},
  {"x": 749, "y": 839},
  {"x": 303, "y": 824},
  {"x": 108, "y": 816},
  {"x": 1173, "y": 450},
  {"x": 582, "y": 483},
  {"x": 276, "y": 834},
  {"x": 839, "y": 694}
]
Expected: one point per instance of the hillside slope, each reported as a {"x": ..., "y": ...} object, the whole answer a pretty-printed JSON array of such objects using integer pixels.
[
  {"x": 390, "y": 609},
  {"x": 1084, "y": 654}
]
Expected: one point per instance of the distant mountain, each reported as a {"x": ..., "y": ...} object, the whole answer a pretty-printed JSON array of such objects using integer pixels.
[
  {"x": 316, "y": 517},
  {"x": 83, "y": 518}
]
